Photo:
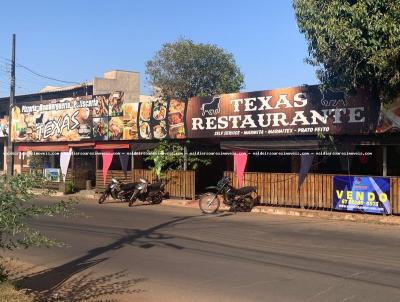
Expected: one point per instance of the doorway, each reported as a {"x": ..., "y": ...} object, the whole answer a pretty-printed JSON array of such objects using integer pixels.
[{"x": 84, "y": 168}]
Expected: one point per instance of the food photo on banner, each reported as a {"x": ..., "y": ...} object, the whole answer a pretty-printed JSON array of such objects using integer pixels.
[
  {"x": 4, "y": 127},
  {"x": 158, "y": 118},
  {"x": 145, "y": 112},
  {"x": 361, "y": 194},
  {"x": 129, "y": 119},
  {"x": 176, "y": 119},
  {"x": 115, "y": 102}
]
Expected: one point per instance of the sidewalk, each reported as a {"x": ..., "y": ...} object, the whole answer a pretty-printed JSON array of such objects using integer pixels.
[{"x": 321, "y": 214}]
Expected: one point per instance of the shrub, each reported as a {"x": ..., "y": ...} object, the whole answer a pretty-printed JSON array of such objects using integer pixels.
[{"x": 17, "y": 207}]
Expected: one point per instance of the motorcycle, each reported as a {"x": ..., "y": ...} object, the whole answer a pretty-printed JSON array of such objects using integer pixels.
[
  {"x": 118, "y": 191},
  {"x": 153, "y": 193},
  {"x": 241, "y": 199}
]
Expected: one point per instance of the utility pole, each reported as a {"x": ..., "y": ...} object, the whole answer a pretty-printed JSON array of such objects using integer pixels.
[{"x": 10, "y": 150}]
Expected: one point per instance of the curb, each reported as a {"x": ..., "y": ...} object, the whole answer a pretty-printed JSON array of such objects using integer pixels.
[
  {"x": 355, "y": 217},
  {"x": 305, "y": 213}
]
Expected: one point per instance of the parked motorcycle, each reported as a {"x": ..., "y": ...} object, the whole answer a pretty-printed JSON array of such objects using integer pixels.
[
  {"x": 238, "y": 199},
  {"x": 118, "y": 191},
  {"x": 153, "y": 193}
]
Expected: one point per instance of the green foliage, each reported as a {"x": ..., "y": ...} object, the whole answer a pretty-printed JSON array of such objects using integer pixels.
[
  {"x": 17, "y": 208},
  {"x": 170, "y": 156},
  {"x": 354, "y": 44},
  {"x": 36, "y": 162},
  {"x": 184, "y": 69},
  {"x": 327, "y": 142},
  {"x": 69, "y": 187}
]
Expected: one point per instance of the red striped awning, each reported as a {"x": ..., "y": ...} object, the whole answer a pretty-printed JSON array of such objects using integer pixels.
[{"x": 105, "y": 146}]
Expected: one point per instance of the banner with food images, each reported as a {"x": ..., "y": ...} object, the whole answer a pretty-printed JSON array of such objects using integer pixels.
[
  {"x": 66, "y": 119},
  {"x": 281, "y": 112},
  {"x": 101, "y": 117}
]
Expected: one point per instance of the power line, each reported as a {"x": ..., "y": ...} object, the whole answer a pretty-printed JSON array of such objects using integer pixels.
[
  {"x": 45, "y": 77},
  {"x": 39, "y": 74}
]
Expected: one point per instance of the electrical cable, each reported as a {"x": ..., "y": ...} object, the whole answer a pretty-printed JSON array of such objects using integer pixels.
[{"x": 37, "y": 73}]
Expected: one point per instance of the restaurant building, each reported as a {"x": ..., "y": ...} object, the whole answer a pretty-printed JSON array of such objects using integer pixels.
[{"x": 272, "y": 131}]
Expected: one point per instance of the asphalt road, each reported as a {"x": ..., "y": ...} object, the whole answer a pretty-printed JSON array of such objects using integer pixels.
[{"x": 164, "y": 253}]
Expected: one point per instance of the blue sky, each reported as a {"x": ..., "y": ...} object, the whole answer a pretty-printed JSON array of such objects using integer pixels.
[{"x": 78, "y": 40}]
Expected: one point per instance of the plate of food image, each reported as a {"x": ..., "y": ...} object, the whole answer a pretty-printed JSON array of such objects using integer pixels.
[
  {"x": 177, "y": 131},
  {"x": 176, "y": 106},
  {"x": 159, "y": 112},
  {"x": 145, "y": 111},
  {"x": 159, "y": 132},
  {"x": 175, "y": 118},
  {"x": 115, "y": 128},
  {"x": 100, "y": 128},
  {"x": 144, "y": 130},
  {"x": 102, "y": 107}
]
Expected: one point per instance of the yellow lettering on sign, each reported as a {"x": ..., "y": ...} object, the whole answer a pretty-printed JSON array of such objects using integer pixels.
[
  {"x": 349, "y": 195},
  {"x": 383, "y": 197},
  {"x": 339, "y": 194},
  {"x": 359, "y": 195},
  {"x": 371, "y": 196}
]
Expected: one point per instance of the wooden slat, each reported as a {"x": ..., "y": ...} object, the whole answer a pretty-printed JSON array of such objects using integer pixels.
[{"x": 175, "y": 187}]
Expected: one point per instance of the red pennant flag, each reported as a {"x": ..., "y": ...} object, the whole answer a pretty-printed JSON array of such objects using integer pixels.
[
  {"x": 107, "y": 159},
  {"x": 240, "y": 160}
]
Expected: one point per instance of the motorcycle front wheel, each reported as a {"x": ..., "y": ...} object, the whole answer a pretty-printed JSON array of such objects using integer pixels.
[
  {"x": 103, "y": 198},
  {"x": 248, "y": 203},
  {"x": 157, "y": 199},
  {"x": 209, "y": 203}
]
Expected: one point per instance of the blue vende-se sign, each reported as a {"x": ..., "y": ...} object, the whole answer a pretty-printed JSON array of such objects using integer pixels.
[{"x": 362, "y": 194}]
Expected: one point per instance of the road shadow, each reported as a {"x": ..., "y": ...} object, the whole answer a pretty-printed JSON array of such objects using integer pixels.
[
  {"x": 70, "y": 282},
  {"x": 91, "y": 287}
]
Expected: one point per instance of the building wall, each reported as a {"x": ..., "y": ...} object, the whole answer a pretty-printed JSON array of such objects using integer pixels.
[{"x": 118, "y": 80}]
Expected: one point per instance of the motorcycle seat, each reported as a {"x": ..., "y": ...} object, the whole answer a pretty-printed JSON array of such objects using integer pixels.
[
  {"x": 155, "y": 186},
  {"x": 129, "y": 186},
  {"x": 244, "y": 190}
]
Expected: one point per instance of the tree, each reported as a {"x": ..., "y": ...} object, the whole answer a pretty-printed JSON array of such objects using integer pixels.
[
  {"x": 354, "y": 44},
  {"x": 168, "y": 156},
  {"x": 184, "y": 69}
]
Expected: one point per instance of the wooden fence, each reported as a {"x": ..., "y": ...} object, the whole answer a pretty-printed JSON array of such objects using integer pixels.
[
  {"x": 181, "y": 183},
  {"x": 280, "y": 189}
]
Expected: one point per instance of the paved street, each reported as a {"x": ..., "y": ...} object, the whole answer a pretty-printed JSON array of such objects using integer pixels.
[{"x": 165, "y": 253}]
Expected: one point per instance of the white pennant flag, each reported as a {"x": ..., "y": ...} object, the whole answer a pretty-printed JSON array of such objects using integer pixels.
[{"x": 64, "y": 162}]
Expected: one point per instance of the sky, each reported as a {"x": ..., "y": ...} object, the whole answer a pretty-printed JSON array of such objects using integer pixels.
[{"x": 79, "y": 40}]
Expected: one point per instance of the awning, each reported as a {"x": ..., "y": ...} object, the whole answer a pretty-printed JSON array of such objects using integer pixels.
[
  {"x": 81, "y": 145},
  {"x": 271, "y": 145},
  {"x": 43, "y": 148},
  {"x": 105, "y": 146}
]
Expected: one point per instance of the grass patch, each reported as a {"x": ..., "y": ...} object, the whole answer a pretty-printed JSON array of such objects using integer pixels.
[{"x": 10, "y": 294}]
